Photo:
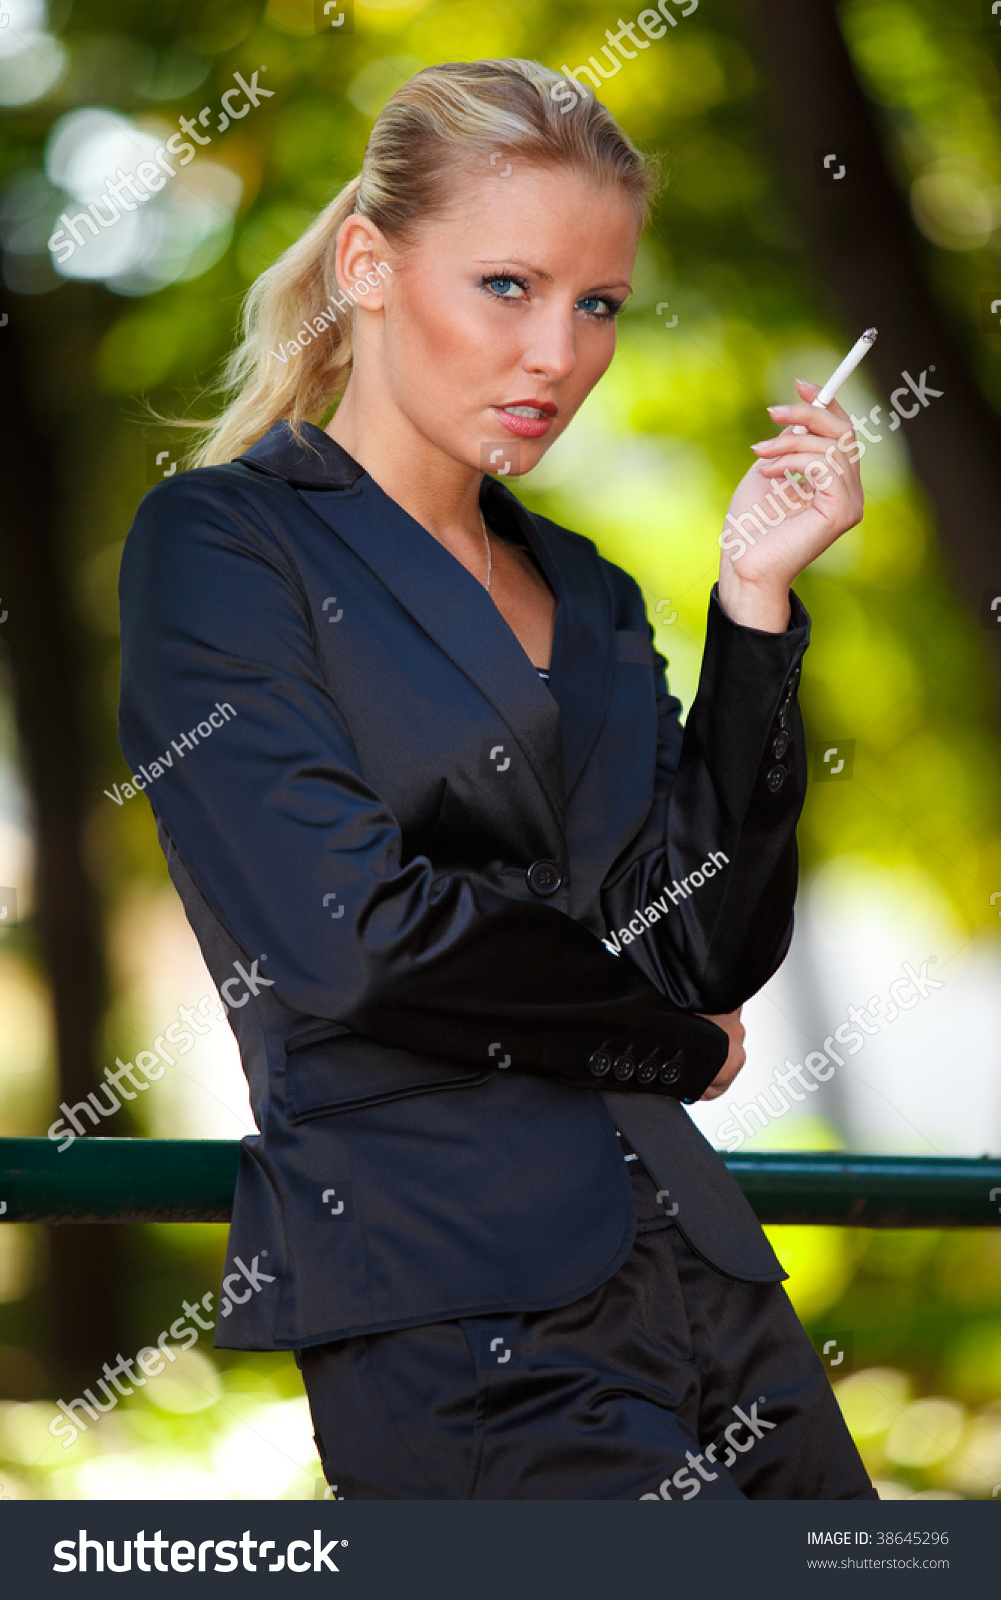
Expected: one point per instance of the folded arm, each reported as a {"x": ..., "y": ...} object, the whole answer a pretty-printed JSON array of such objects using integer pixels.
[{"x": 702, "y": 901}]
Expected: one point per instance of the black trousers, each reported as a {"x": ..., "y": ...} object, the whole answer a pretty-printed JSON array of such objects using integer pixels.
[{"x": 669, "y": 1381}]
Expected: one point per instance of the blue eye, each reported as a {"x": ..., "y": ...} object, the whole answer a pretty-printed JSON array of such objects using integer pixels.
[
  {"x": 491, "y": 284},
  {"x": 613, "y": 307}
]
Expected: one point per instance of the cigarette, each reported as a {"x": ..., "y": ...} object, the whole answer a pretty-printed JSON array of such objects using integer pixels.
[
  {"x": 838, "y": 377},
  {"x": 841, "y": 374}
]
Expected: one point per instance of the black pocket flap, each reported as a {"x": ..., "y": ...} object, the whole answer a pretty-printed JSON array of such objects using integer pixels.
[{"x": 343, "y": 1072}]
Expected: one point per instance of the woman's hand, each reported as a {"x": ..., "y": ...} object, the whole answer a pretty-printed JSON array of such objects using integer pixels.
[
  {"x": 776, "y": 527},
  {"x": 733, "y": 1028}
]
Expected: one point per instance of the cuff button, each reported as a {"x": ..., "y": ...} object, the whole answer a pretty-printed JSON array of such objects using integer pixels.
[
  {"x": 624, "y": 1068},
  {"x": 670, "y": 1072},
  {"x": 775, "y": 779},
  {"x": 780, "y": 745},
  {"x": 600, "y": 1064},
  {"x": 646, "y": 1072}
]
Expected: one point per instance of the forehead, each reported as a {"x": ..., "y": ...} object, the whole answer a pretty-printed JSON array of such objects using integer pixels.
[{"x": 555, "y": 218}]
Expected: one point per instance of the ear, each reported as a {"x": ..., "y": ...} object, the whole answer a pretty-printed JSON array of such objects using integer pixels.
[{"x": 361, "y": 263}]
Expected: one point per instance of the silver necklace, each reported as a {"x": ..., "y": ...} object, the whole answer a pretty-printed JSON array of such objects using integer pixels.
[{"x": 490, "y": 559}]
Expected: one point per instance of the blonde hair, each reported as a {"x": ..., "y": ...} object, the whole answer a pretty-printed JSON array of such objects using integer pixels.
[{"x": 459, "y": 114}]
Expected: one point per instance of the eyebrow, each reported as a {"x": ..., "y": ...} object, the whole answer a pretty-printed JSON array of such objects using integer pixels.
[
  {"x": 514, "y": 262},
  {"x": 526, "y": 266}
]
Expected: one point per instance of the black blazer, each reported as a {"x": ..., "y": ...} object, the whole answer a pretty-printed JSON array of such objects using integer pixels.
[{"x": 401, "y": 853}]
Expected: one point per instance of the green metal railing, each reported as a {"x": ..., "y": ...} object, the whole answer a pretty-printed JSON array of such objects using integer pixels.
[{"x": 192, "y": 1180}]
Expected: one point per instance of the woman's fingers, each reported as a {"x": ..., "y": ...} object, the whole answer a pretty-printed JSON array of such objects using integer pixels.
[
  {"x": 798, "y": 461},
  {"x": 788, "y": 440},
  {"x": 831, "y": 423},
  {"x": 733, "y": 1028}
]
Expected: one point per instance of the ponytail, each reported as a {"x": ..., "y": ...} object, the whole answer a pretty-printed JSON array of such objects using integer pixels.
[{"x": 300, "y": 289}]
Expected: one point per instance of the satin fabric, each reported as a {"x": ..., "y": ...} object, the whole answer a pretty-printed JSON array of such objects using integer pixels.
[
  {"x": 427, "y": 1024},
  {"x": 669, "y": 1382}
]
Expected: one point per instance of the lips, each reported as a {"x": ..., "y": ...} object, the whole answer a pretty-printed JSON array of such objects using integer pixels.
[{"x": 529, "y": 419}]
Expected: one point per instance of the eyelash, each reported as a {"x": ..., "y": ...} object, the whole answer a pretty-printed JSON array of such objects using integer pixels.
[{"x": 614, "y": 306}]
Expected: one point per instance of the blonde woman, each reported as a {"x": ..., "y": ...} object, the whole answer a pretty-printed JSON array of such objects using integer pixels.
[{"x": 483, "y": 915}]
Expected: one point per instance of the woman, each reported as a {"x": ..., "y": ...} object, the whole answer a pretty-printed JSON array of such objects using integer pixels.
[{"x": 422, "y": 790}]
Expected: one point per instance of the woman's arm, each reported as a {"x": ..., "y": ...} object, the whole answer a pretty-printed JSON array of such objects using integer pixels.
[
  {"x": 725, "y": 808},
  {"x": 733, "y": 785},
  {"x": 273, "y": 812}
]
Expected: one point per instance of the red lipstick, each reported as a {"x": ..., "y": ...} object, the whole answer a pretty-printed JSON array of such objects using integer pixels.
[{"x": 532, "y": 426}]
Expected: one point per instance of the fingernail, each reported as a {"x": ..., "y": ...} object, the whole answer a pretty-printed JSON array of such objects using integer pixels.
[
  {"x": 760, "y": 444},
  {"x": 799, "y": 428},
  {"x": 772, "y": 409}
]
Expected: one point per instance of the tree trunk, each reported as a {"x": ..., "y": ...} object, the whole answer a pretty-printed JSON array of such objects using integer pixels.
[
  {"x": 48, "y": 662},
  {"x": 866, "y": 254}
]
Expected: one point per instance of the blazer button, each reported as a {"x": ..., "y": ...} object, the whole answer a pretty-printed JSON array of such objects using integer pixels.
[
  {"x": 775, "y": 779},
  {"x": 624, "y": 1068},
  {"x": 780, "y": 745},
  {"x": 670, "y": 1072},
  {"x": 543, "y": 877},
  {"x": 647, "y": 1070},
  {"x": 794, "y": 677},
  {"x": 600, "y": 1064}
]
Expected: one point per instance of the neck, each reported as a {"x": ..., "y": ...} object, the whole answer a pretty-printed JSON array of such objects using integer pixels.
[{"x": 440, "y": 493}]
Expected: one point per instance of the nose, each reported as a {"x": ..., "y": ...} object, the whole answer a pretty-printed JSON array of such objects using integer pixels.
[{"x": 552, "y": 353}]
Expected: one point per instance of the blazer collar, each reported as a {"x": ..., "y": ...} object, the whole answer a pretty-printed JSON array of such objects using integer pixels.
[
  {"x": 315, "y": 462},
  {"x": 454, "y": 608}
]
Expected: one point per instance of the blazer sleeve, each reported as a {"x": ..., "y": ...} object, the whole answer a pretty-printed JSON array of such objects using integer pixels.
[
  {"x": 714, "y": 869},
  {"x": 272, "y": 811}
]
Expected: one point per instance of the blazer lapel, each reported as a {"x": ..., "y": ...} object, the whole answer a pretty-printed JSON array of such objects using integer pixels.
[{"x": 455, "y": 610}]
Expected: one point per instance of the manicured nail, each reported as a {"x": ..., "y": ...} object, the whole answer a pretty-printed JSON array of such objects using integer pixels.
[{"x": 772, "y": 409}]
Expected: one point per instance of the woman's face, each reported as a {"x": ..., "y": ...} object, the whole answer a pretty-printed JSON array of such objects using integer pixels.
[{"x": 509, "y": 302}]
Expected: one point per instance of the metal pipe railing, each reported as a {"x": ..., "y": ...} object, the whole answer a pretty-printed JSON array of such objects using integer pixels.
[{"x": 192, "y": 1180}]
